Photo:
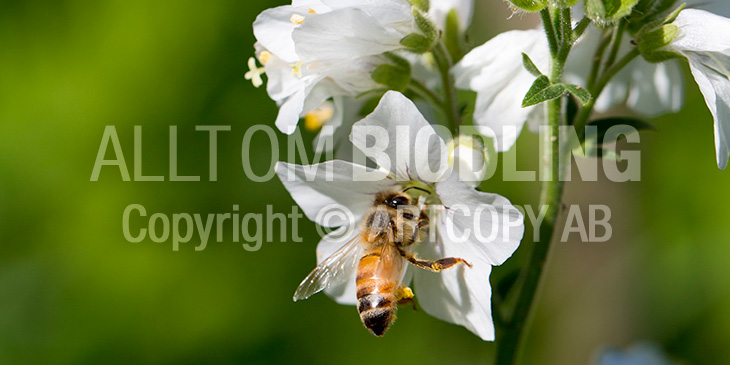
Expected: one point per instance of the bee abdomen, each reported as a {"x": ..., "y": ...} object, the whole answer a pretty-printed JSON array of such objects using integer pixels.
[{"x": 377, "y": 312}]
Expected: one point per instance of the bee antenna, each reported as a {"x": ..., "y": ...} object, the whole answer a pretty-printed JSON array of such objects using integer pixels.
[{"x": 417, "y": 188}]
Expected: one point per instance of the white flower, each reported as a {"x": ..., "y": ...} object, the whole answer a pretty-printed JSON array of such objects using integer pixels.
[
  {"x": 703, "y": 40},
  {"x": 495, "y": 71},
  {"x": 457, "y": 295},
  {"x": 316, "y": 50}
]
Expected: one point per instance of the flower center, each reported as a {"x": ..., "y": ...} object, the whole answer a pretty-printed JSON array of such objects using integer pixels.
[{"x": 296, "y": 69}]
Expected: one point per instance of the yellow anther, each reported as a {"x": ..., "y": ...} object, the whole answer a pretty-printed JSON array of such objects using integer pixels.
[
  {"x": 315, "y": 119},
  {"x": 311, "y": 11},
  {"x": 296, "y": 19},
  {"x": 296, "y": 70},
  {"x": 264, "y": 57},
  {"x": 254, "y": 73}
]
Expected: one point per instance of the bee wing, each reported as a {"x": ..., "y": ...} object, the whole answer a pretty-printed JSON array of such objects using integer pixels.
[
  {"x": 390, "y": 264},
  {"x": 331, "y": 272}
]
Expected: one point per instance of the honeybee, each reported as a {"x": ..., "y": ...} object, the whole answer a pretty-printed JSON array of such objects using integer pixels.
[{"x": 379, "y": 254}]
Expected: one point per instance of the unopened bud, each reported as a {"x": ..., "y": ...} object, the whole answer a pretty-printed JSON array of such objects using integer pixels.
[
  {"x": 529, "y": 5},
  {"x": 653, "y": 43}
]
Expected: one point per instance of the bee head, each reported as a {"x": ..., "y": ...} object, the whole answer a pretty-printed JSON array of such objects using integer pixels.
[{"x": 397, "y": 200}]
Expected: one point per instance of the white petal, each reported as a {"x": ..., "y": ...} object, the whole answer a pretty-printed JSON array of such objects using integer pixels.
[
  {"x": 315, "y": 5},
  {"x": 702, "y": 31},
  {"x": 290, "y": 111},
  {"x": 495, "y": 71},
  {"x": 715, "y": 88},
  {"x": 273, "y": 29},
  {"x": 459, "y": 295},
  {"x": 355, "y": 32},
  {"x": 483, "y": 226},
  {"x": 702, "y": 39},
  {"x": 346, "y": 293},
  {"x": 280, "y": 82},
  {"x": 414, "y": 150},
  {"x": 333, "y": 193},
  {"x": 390, "y": 13}
]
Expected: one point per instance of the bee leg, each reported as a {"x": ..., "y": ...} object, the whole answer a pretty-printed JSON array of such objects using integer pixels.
[
  {"x": 435, "y": 266},
  {"x": 404, "y": 295}
]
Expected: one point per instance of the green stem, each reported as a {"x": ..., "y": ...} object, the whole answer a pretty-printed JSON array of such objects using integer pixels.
[
  {"x": 450, "y": 107},
  {"x": 582, "y": 118},
  {"x": 618, "y": 36},
  {"x": 581, "y": 28},
  {"x": 597, "y": 58},
  {"x": 566, "y": 39},
  {"x": 551, "y": 196},
  {"x": 547, "y": 22}
]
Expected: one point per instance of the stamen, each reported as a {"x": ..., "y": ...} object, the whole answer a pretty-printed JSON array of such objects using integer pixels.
[
  {"x": 254, "y": 73},
  {"x": 311, "y": 11},
  {"x": 264, "y": 57},
  {"x": 315, "y": 119},
  {"x": 296, "y": 19},
  {"x": 296, "y": 70}
]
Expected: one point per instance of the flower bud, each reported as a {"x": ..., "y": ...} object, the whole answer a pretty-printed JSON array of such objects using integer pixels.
[
  {"x": 468, "y": 156},
  {"x": 529, "y": 5},
  {"x": 605, "y": 12},
  {"x": 652, "y": 43},
  {"x": 422, "y": 5},
  {"x": 427, "y": 39}
]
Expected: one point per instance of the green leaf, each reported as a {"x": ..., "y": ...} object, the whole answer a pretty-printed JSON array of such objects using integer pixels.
[
  {"x": 416, "y": 43},
  {"x": 395, "y": 77},
  {"x": 583, "y": 95},
  {"x": 542, "y": 90},
  {"x": 613, "y": 129},
  {"x": 453, "y": 38},
  {"x": 529, "y": 5},
  {"x": 530, "y": 66}
]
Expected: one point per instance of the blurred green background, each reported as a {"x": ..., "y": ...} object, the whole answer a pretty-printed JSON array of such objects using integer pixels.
[{"x": 73, "y": 290}]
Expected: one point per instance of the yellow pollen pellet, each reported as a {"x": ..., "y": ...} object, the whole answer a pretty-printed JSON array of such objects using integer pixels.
[{"x": 296, "y": 19}]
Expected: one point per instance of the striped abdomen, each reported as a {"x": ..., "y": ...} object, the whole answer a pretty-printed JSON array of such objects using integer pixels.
[{"x": 376, "y": 289}]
